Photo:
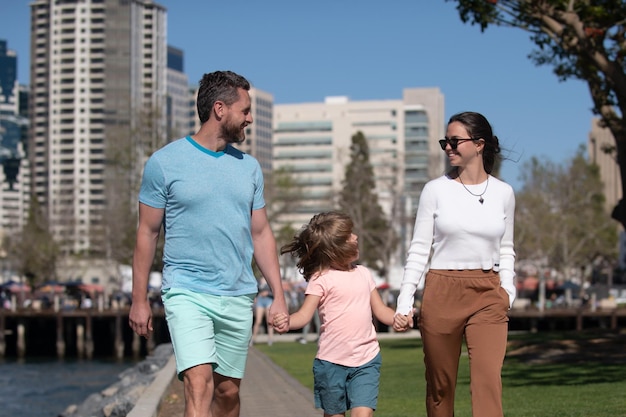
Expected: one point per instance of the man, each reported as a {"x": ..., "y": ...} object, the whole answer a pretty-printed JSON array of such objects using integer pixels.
[{"x": 209, "y": 197}]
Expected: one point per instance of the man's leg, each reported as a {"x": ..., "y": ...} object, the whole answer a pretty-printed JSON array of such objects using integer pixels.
[
  {"x": 226, "y": 402},
  {"x": 233, "y": 327},
  {"x": 199, "y": 387}
]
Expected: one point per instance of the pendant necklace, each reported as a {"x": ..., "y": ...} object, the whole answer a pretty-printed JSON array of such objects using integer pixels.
[{"x": 480, "y": 196}]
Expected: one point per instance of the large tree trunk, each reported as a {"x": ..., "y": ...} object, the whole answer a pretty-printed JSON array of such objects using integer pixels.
[{"x": 619, "y": 212}]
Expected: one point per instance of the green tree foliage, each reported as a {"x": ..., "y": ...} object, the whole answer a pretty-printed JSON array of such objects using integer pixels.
[
  {"x": 128, "y": 148},
  {"x": 359, "y": 200},
  {"x": 282, "y": 196},
  {"x": 560, "y": 215},
  {"x": 33, "y": 251},
  {"x": 580, "y": 39}
]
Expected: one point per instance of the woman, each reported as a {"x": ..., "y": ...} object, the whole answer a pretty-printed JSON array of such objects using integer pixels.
[{"x": 465, "y": 218}]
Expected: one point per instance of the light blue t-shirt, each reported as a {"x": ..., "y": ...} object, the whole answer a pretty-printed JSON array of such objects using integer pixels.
[{"x": 208, "y": 199}]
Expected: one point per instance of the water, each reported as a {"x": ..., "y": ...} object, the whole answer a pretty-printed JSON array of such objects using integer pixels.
[{"x": 38, "y": 387}]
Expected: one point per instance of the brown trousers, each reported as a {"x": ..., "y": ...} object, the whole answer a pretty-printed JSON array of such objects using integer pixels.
[{"x": 467, "y": 303}]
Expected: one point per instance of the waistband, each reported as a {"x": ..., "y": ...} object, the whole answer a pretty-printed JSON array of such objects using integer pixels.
[{"x": 465, "y": 273}]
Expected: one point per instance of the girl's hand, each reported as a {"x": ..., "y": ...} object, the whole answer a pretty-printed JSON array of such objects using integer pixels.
[
  {"x": 402, "y": 323},
  {"x": 279, "y": 320}
]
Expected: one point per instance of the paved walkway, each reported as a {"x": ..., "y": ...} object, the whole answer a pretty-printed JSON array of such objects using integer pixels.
[{"x": 266, "y": 390}]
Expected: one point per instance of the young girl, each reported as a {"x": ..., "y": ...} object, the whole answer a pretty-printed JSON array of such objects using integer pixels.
[{"x": 346, "y": 368}]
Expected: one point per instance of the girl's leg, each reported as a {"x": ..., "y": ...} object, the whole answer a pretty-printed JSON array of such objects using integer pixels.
[{"x": 361, "y": 412}]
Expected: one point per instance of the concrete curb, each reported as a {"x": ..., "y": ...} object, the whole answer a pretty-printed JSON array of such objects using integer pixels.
[{"x": 148, "y": 403}]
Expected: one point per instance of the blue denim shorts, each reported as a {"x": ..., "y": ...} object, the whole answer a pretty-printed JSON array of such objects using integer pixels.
[
  {"x": 263, "y": 302},
  {"x": 339, "y": 388},
  {"x": 209, "y": 329}
]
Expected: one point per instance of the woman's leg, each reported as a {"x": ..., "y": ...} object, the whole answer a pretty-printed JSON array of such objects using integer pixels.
[{"x": 486, "y": 336}]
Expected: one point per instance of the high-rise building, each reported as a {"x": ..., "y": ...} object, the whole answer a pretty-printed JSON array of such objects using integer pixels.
[
  {"x": 180, "y": 122},
  {"x": 258, "y": 141},
  {"x": 98, "y": 89},
  {"x": 312, "y": 141},
  {"x": 14, "y": 170},
  {"x": 8, "y": 80}
]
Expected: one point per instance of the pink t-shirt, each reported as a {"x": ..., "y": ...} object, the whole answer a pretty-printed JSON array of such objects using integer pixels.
[{"x": 347, "y": 334}]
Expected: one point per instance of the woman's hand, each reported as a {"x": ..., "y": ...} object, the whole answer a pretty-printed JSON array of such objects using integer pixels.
[{"x": 402, "y": 323}]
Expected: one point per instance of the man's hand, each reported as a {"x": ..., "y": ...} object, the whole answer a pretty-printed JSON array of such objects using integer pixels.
[
  {"x": 280, "y": 320},
  {"x": 279, "y": 316},
  {"x": 140, "y": 319}
]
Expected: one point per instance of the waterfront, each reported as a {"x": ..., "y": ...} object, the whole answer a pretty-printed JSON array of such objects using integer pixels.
[{"x": 44, "y": 387}]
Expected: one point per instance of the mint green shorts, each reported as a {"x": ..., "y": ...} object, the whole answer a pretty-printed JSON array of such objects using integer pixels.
[{"x": 209, "y": 329}]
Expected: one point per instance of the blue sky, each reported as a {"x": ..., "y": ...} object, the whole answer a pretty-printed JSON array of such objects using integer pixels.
[{"x": 371, "y": 50}]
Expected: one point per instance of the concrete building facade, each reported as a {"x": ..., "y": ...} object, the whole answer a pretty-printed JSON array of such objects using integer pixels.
[
  {"x": 312, "y": 141},
  {"x": 180, "y": 113},
  {"x": 258, "y": 141},
  {"x": 98, "y": 89},
  {"x": 14, "y": 172}
]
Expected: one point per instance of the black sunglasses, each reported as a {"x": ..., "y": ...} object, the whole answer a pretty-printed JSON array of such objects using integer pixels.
[{"x": 454, "y": 142}]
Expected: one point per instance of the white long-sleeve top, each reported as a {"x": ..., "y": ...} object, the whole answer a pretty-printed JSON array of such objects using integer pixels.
[{"x": 462, "y": 233}]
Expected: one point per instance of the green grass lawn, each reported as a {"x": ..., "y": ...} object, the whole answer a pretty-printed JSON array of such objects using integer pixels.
[{"x": 543, "y": 381}]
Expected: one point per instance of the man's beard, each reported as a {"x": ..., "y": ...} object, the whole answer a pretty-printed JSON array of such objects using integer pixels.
[{"x": 233, "y": 133}]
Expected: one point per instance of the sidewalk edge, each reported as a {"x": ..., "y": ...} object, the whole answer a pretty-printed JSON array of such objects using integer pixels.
[{"x": 148, "y": 403}]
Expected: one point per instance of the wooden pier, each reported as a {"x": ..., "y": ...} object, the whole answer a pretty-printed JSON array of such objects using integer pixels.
[
  {"x": 88, "y": 333},
  {"x": 567, "y": 318},
  {"x": 82, "y": 333}
]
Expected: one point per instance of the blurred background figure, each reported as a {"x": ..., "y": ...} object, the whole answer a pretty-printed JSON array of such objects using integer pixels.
[{"x": 262, "y": 303}]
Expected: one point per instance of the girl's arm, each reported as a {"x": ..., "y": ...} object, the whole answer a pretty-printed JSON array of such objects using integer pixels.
[
  {"x": 383, "y": 313},
  {"x": 304, "y": 315}
]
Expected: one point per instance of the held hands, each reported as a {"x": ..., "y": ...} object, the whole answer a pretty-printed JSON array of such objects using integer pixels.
[
  {"x": 280, "y": 321},
  {"x": 279, "y": 316},
  {"x": 403, "y": 323}
]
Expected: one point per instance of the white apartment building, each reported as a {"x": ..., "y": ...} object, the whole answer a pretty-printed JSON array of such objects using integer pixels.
[
  {"x": 312, "y": 140},
  {"x": 258, "y": 141},
  {"x": 98, "y": 94}
]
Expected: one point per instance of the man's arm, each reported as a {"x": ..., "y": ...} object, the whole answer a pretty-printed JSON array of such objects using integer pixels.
[
  {"x": 266, "y": 258},
  {"x": 150, "y": 220}
]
